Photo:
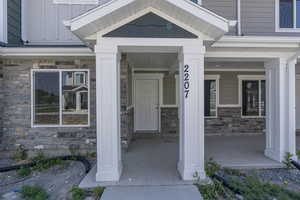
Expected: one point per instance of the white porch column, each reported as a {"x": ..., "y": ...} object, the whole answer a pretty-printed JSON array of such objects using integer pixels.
[
  {"x": 280, "y": 115},
  {"x": 191, "y": 159},
  {"x": 109, "y": 166}
]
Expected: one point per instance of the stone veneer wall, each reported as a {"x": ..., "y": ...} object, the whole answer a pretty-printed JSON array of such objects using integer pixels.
[
  {"x": 169, "y": 121},
  {"x": 126, "y": 112},
  {"x": 228, "y": 122},
  {"x": 17, "y": 111}
]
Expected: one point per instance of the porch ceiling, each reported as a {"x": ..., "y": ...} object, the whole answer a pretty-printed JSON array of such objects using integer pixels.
[{"x": 184, "y": 13}]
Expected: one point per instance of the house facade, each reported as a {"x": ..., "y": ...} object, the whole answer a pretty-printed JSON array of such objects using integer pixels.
[{"x": 81, "y": 76}]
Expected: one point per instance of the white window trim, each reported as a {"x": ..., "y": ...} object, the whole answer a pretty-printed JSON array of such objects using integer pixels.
[
  {"x": 3, "y": 21},
  {"x": 60, "y": 97},
  {"x": 250, "y": 78},
  {"x": 277, "y": 19},
  {"x": 76, "y": 2},
  {"x": 214, "y": 77}
]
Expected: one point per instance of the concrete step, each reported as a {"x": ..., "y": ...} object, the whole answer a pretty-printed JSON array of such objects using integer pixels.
[{"x": 179, "y": 192}]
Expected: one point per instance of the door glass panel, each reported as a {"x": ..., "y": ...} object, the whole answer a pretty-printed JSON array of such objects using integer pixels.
[
  {"x": 210, "y": 104},
  {"x": 250, "y": 98},
  {"x": 286, "y": 14},
  {"x": 74, "y": 98},
  {"x": 46, "y": 98},
  {"x": 263, "y": 98}
]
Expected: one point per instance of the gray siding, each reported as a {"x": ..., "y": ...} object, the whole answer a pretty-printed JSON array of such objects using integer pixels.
[
  {"x": 224, "y": 8},
  {"x": 258, "y": 18},
  {"x": 14, "y": 21},
  {"x": 169, "y": 90}
]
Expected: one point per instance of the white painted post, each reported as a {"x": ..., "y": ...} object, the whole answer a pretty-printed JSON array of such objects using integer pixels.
[
  {"x": 280, "y": 115},
  {"x": 109, "y": 165},
  {"x": 291, "y": 108},
  {"x": 191, "y": 163}
]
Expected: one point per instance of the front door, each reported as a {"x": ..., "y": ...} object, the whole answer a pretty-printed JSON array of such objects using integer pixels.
[
  {"x": 297, "y": 102},
  {"x": 146, "y": 105}
]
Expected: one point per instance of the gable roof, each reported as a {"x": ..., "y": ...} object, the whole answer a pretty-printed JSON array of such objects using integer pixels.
[{"x": 116, "y": 13}]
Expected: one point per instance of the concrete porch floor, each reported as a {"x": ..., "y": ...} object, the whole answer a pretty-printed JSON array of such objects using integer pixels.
[{"x": 153, "y": 161}]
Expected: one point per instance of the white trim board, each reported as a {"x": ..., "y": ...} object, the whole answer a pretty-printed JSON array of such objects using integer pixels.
[{"x": 209, "y": 25}]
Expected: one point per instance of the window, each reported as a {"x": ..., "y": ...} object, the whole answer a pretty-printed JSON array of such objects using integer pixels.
[
  {"x": 253, "y": 96},
  {"x": 211, "y": 95},
  {"x": 60, "y": 98},
  {"x": 288, "y": 15}
]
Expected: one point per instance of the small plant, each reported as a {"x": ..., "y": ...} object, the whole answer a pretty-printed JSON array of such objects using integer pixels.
[
  {"x": 78, "y": 194},
  {"x": 252, "y": 188},
  {"x": 98, "y": 191},
  {"x": 24, "y": 172},
  {"x": 211, "y": 167},
  {"x": 288, "y": 160},
  {"x": 42, "y": 163},
  {"x": 33, "y": 193},
  {"x": 20, "y": 153},
  {"x": 215, "y": 191},
  {"x": 233, "y": 172},
  {"x": 298, "y": 153}
]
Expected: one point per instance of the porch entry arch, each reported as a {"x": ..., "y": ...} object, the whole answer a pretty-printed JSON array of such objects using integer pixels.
[
  {"x": 191, "y": 70},
  {"x": 181, "y": 27}
]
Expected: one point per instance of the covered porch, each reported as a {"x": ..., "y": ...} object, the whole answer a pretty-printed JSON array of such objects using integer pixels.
[
  {"x": 193, "y": 37},
  {"x": 152, "y": 160}
]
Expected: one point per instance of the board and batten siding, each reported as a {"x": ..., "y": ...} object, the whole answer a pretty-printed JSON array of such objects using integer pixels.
[
  {"x": 14, "y": 19},
  {"x": 44, "y": 22},
  {"x": 258, "y": 18}
]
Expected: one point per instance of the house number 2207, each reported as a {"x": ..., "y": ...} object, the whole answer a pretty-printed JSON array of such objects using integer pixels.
[{"x": 186, "y": 80}]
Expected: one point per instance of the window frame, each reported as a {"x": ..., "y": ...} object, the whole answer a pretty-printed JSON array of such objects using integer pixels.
[
  {"x": 214, "y": 77},
  {"x": 277, "y": 18},
  {"x": 60, "y": 125},
  {"x": 258, "y": 78}
]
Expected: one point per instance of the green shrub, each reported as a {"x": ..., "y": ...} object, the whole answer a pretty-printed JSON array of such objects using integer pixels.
[
  {"x": 23, "y": 172},
  {"x": 78, "y": 194},
  {"x": 288, "y": 160},
  {"x": 253, "y": 189},
  {"x": 33, "y": 193},
  {"x": 98, "y": 191},
  {"x": 215, "y": 191},
  {"x": 211, "y": 167},
  {"x": 43, "y": 163}
]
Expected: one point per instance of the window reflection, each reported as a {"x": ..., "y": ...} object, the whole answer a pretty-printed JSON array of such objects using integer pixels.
[
  {"x": 286, "y": 13},
  {"x": 46, "y": 98},
  {"x": 210, "y": 109},
  {"x": 75, "y": 98}
]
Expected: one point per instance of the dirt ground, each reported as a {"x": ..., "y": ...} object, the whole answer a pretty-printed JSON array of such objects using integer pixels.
[{"x": 57, "y": 180}]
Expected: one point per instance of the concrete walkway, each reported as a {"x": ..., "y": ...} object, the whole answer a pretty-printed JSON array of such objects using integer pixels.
[{"x": 152, "y": 193}]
